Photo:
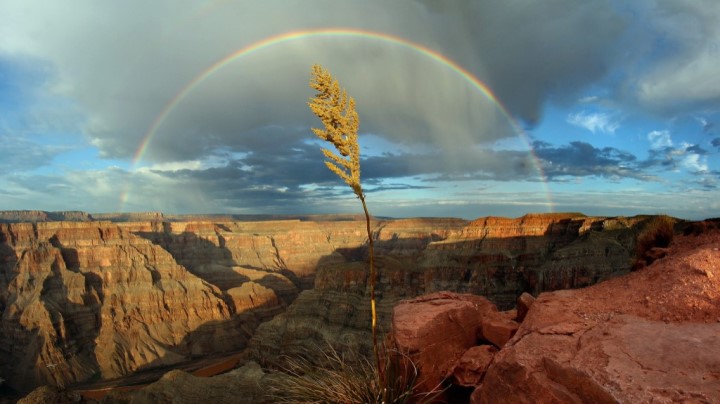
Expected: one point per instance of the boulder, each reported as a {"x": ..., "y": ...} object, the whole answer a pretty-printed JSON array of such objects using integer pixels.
[
  {"x": 524, "y": 302},
  {"x": 470, "y": 369},
  {"x": 498, "y": 331},
  {"x": 437, "y": 329}
]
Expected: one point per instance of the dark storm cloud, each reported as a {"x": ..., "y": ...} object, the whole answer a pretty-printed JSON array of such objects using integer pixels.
[
  {"x": 301, "y": 165},
  {"x": 130, "y": 67},
  {"x": 580, "y": 159},
  {"x": 695, "y": 149},
  {"x": 716, "y": 142},
  {"x": 531, "y": 51}
]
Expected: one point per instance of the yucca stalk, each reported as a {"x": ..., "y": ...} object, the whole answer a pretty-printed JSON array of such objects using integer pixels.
[{"x": 337, "y": 113}]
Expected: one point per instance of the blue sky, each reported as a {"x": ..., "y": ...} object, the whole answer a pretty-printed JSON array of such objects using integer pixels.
[{"x": 606, "y": 107}]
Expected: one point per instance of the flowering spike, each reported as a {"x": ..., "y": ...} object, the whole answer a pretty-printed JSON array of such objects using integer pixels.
[{"x": 337, "y": 113}]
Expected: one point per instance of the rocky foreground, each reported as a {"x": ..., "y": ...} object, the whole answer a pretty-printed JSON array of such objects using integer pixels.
[
  {"x": 650, "y": 336},
  {"x": 91, "y": 301}
]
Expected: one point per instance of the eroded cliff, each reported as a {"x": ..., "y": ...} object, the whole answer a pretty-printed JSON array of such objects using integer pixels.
[
  {"x": 93, "y": 300},
  {"x": 100, "y": 300}
]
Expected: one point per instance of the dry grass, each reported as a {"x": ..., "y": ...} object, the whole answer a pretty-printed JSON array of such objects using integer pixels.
[
  {"x": 347, "y": 379},
  {"x": 653, "y": 240}
]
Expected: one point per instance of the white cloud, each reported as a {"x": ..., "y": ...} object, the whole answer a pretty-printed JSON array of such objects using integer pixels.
[
  {"x": 695, "y": 163},
  {"x": 175, "y": 166},
  {"x": 594, "y": 121},
  {"x": 588, "y": 99},
  {"x": 659, "y": 139}
]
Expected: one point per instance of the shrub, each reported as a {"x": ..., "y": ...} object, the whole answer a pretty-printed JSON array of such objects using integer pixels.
[
  {"x": 703, "y": 226},
  {"x": 652, "y": 241},
  {"x": 348, "y": 378}
]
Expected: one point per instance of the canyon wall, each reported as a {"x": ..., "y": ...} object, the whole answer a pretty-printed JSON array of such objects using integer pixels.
[
  {"x": 85, "y": 301},
  {"x": 100, "y": 300},
  {"x": 494, "y": 257}
]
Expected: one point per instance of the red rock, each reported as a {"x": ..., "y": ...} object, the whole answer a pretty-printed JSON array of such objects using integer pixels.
[
  {"x": 435, "y": 330},
  {"x": 524, "y": 302},
  {"x": 470, "y": 369},
  {"x": 498, "y": 330},
  {"x": 475, "y": 396},
  {"x": 509, "y": 314},
  {"x": 650, "y": 336}
]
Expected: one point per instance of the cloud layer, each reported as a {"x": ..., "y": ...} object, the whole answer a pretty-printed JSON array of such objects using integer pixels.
[
  {"x": 123, "y": 67},
  {"x": 104, "y": 74}
]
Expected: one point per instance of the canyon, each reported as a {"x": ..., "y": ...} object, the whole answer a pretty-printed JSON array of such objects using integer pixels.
[{"x": 87, "y": 300}]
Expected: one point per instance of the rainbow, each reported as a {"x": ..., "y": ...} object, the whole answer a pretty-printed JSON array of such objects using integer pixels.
[{"x": 280, "y": 39}]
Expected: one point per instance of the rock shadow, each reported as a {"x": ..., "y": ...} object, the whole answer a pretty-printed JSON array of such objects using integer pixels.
[
  {"x": 213, "y": 262},
  {"x": 73, "y": 309},
  {"x": 76, "y": 322},
  {"x": 201, "y": 257},
  {"x": 565, "y": 255},
  {"x": 206, "y": 347},
  {"x": 8, "y": 269}
]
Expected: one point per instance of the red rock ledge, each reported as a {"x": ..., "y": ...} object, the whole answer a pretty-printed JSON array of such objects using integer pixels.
[{"x": 650, "y": 336}]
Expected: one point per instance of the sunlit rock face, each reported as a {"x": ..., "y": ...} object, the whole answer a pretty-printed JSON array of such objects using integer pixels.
[
  {"x": 94, "y": 300},
  {"x": 98, "y": 300}
]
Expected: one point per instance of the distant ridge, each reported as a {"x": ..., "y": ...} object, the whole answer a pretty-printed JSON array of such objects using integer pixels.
[{"x": 36, "y": 216}]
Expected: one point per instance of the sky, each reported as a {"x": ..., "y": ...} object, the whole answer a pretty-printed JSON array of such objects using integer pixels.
[{"x": 468, "y": 108}]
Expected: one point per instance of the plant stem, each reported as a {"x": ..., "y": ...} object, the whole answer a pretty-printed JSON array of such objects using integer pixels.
[{"x": 372, "y": 287}]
